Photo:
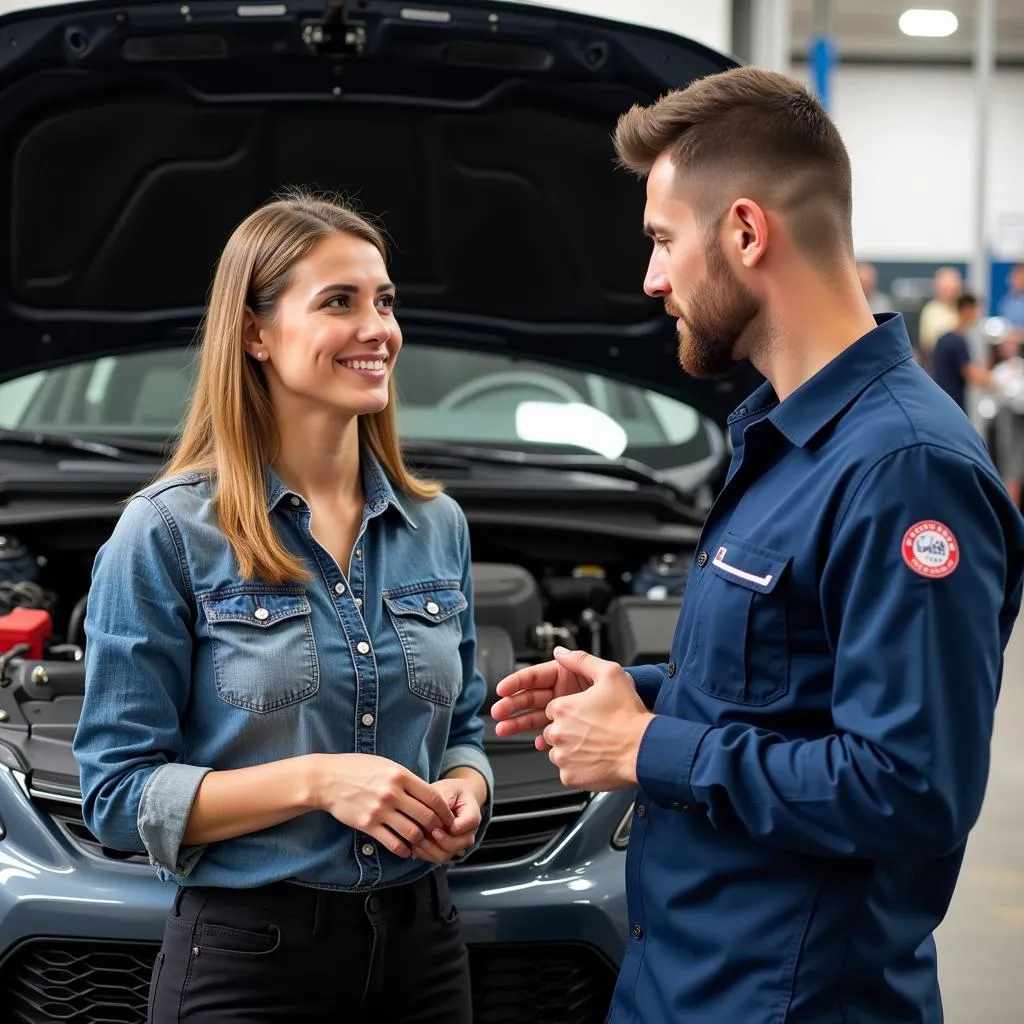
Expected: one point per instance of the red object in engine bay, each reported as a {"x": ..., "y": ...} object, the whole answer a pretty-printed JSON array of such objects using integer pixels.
[{"x": 30, "y": 626}]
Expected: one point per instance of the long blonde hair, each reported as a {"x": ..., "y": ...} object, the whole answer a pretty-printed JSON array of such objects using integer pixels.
[{"x": 229, "y": 432}]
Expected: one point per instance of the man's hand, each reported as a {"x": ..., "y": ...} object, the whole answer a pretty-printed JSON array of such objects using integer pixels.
[
  {"x": 595, "y": 734},
  {"x": 462, "y": 794},
  {"x": 525, "y": 695}
]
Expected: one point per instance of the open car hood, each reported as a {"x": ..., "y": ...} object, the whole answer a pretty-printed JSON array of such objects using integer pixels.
[{"x": 134, "y": 137}]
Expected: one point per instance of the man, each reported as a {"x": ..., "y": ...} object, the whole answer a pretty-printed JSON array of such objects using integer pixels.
[
  {"x": 813, "y": 755},
  {"x": 1011, "y": 307},
  {"x": 952, "y": 366},
  {"x": 878, "y": 301},
  {"x": 938, "y": 314}
]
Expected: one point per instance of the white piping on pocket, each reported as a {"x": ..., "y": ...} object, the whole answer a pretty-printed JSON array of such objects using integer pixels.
[{"x": 718, "y": 562}]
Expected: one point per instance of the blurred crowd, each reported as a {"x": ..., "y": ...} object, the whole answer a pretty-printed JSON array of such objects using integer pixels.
[{"x": 977, "y": 361}]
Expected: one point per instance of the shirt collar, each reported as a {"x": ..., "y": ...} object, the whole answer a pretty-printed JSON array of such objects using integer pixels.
[
  {"x": 818, "y": 401},
  {"x": 380, "y": 494}
]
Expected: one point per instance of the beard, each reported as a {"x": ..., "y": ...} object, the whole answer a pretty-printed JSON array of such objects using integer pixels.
[{"x": 714, "y": 335}]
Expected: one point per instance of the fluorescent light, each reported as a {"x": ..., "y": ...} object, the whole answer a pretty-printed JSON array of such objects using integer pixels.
[{"x": 934, "y": 24}]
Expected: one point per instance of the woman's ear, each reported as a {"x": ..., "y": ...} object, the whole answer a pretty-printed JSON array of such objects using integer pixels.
[{"x": 252, "y": 336}]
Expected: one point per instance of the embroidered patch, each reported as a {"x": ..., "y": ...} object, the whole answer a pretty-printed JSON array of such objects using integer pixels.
[{"x": 930, "y": 549}]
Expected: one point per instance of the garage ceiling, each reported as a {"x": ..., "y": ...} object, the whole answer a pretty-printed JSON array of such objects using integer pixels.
[{"x": 869, "y": 30}]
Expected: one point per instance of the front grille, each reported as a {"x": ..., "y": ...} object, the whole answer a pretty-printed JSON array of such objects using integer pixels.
[
  {"x": 51, "y": 981},
  {"x": 535, "y": 982},
  {"x": 519, "y": 828},
  {"x": 46, "y": 982}
]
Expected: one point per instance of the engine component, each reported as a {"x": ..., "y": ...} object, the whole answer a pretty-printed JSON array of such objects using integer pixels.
[
  {"x": 640, "y": 630},
  {"x": 45, "y": 680},
  {"x": 663, "y": 576},
  {"x": 25, "y": 626},
  {"x": 76, "y": 622},
  {"x": 495, "y": 656},
  {"x": 507, "y": 596},
  {"x": 16, "y": 563}
]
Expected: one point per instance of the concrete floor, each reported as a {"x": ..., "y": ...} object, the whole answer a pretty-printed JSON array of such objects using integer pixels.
[{"x": 981, "y": 942}]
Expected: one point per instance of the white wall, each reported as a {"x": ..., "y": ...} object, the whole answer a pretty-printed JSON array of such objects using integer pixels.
[
  {"x": 911, "y": 137},
  {"x": 707, "y": 21}
]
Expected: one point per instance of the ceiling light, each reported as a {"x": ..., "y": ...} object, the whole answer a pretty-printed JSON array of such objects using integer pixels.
[{"x": 934, "y": 24}]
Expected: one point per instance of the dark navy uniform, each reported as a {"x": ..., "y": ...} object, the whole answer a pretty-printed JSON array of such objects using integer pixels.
[{"x": 821, "y": 745}]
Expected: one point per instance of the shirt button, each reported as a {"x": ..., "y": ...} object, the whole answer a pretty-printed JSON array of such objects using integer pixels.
[
  {"x": 367, "y": 720},
  {"x": 296, "y": 501},
  {"x": 638, "y": 932},
  {"x": 671, "y": 669},
  {"x": 339, "y": 588},
  {"x": 359, "y": 552},
  {"x": 373, "y": 904},
  {"x": 432, "y": 608},
  {"x": 363, "y": 647},
  {"x": 367, "y": 849},
  {"x": 359, "y": 602},
  {"x": 641, "y": 810},
  {"x": 702, "y": 559},
  {"x": 261, "y": 614}
]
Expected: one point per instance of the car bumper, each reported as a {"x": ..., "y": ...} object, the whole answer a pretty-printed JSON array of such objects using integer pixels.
[{"x": 68, "y": 916}]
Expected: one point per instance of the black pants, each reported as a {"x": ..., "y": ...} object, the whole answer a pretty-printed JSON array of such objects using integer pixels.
[{"x": 290, "y": 953}]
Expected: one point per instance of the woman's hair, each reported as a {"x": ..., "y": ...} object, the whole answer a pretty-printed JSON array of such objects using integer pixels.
[{"x": 230, "y": 432}]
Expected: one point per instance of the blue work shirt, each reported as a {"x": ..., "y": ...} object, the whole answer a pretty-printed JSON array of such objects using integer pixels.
[
  {"x": 821, "y": 742},
  {"x": 190, "y": 667}
]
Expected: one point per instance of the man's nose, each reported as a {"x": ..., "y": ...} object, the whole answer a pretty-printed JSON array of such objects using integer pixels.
[{"x": 656, "y": 283}]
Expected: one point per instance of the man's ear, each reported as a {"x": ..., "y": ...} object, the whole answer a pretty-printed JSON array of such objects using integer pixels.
[{"x": 745, "y": 232}]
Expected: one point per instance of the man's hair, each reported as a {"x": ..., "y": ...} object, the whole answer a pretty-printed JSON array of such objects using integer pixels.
[
  {"x": 966, "y": 300},
  {"x": 753, "y": 133}
]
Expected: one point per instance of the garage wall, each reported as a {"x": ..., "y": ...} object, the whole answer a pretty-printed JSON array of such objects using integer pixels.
[{"x": 911, "y": 136}]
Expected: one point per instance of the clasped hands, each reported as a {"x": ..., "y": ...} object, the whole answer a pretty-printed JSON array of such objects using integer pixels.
[
  {"x": 590, "y": 718},
  {"x": 398, "y": 809}
]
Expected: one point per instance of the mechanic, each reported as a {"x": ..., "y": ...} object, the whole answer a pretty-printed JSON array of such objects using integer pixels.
[
  {"x": 812, "y": 757},
  {"x": 282, "y": 700}
]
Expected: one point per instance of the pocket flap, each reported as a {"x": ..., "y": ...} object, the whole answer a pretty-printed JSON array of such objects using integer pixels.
[
  {"x": 435, "y": 604},
  {"x": 749, "y": 565},
  {"x": 254, "y": 608}
]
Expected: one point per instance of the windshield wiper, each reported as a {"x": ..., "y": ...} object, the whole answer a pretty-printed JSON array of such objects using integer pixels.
[
  {"x": 620, "y": 469},
  {"x": 124, "y": 451}
]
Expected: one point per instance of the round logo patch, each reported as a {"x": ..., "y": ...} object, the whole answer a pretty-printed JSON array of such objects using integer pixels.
[{"x": 930, "y": 549}]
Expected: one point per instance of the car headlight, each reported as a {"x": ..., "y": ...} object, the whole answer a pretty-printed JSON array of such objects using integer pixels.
[{"x": 620, "y": 837}]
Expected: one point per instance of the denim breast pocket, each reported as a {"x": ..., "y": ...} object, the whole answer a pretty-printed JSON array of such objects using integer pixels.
[
  {"x": 741, "y": 644},
  {"x": 264, "y": 653},
  {"x": 426, "y": 619}
]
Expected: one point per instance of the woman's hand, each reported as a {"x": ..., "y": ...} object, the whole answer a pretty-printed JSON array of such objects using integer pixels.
[
  {"x": 461, "y": 794},
  {"x": 381, "y": 798}
]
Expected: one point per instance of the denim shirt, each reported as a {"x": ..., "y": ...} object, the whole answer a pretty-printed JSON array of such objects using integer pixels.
[{"x": 191, "y": 668}]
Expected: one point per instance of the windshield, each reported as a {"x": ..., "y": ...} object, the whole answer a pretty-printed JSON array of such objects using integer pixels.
[{"x": 445, "y": 394}]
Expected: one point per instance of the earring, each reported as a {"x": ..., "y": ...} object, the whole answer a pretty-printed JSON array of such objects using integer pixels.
[{"x": 261, "y": 354}]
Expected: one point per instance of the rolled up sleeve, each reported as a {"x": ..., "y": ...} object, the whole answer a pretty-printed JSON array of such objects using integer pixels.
[{"x": 137, "y": 795}]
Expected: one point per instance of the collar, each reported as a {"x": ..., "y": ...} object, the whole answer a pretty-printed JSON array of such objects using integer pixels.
[
  {"x": 818, "y": 401},
  {"x": 380, "y": 494}
]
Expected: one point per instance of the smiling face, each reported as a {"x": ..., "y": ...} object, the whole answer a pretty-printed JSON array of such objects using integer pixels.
[
  {"x": 688, "y": 270},
  {"x": 332, "y": 339}
]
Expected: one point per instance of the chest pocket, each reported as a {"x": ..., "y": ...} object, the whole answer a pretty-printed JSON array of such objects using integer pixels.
[
  {"x": 264, "y": 654},
  {"x": 426, "y": 621},
  {"x": 740, "y": 650}
]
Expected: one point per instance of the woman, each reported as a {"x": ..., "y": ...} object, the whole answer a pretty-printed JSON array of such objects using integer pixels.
[{"x": 281, "y": 694}]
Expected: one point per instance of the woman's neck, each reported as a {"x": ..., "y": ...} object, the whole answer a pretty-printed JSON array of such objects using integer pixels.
[{"x": 318, "y": 456}]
